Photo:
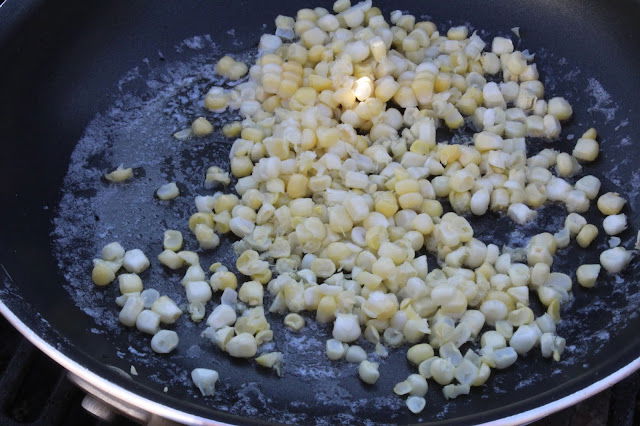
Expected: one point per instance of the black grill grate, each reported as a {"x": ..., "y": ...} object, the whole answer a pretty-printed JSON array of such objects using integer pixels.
[{"x": 34, "y": 390}]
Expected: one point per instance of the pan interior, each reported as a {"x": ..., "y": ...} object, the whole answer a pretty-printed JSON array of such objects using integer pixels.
[{"x": 123, "y": 104}]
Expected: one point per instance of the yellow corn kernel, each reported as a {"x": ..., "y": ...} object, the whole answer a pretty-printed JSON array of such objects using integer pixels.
[
  {"x": 442, "y": 82},
  {"x": 287, "y": 88},
  {"x": 448, "y": 153},
  {"x": 224, "y": 65},
  {"x": 200, "y": 218},
  {"x": 432, "y": 207},
  {"x": 411, "y": 201},
  {"x": 306, "y": 96},
  {"x": 319, "y": 83},
  {"x": 252, "y": 134},
  {"x": 241, "y": 166},
  {"x": 232, "y": 130},
  {"x": 297, "y": 186},
  {"x": 225, "y": 202},
  {"x": 386, "y": 203}
]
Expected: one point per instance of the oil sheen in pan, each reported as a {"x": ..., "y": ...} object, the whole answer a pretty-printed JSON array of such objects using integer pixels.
[{"x": 136, "y": 131}]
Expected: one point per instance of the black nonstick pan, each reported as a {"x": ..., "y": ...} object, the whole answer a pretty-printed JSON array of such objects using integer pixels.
[{"x": 121, "y": 76}]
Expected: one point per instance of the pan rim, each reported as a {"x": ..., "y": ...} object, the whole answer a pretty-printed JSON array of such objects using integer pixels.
[{"x": 120, "y": 393}]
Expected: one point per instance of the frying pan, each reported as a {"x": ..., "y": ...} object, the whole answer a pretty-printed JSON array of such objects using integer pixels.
[{"x": 66, "y": 66}]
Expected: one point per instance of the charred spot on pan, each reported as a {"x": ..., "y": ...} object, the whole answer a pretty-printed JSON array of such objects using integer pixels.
[
  {"x": 139, "y": 172},
  {"x": 97, "y": 161}
]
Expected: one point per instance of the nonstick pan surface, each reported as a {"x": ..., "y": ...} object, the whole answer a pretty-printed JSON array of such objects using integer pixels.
[{"x": 121, "y": 76}]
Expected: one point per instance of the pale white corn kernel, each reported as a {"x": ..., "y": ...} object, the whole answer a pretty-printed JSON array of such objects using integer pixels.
[
  {"x": 611, "y": 203},
  {"x": 402, "y": 388},
  {"x": 313, "y": 37},
  {"x": 205, "y": 380},
  {"x": 503, "y": 263},
  {"x": 206, "y": 236},
  {"x": 355, "y": 354},
  {"x": 328, "y": 23},
  {"x": 564, "y": 165},
  {"x": 271, "y": 360},
  {"x": 442, "y": 371},
  {"x": 184, "y": 134},
  {"x": 418, "y": 385},
  {"x": 170, "y": 259},
  {"x": 172, "y": 240},
  {"x": 539, "y": 274},
  {"x": 164, "y": 341},
  {"x": 501, "y": 45},
  {"x": 466, "y": 372},
  {"x": 294, "y": 322},
  {"x": 148, "y": 322},
  {"x": 335, "y": 349},
  {"x": 112, "y": 251},
  {"x": 221, "y": 316},
  {"x": 590, "y": 185},
  {"x": 135, "y": 261},
  {"x": 523, "y": 339},
  {"x": 130, "y": 311},
  {"x": 264, "y": 335},
  {"x": 341, "y": 5},
  {"x": 450, "y": 352},
  {"x": 574, "y": 223},
  {"x": 615, "y": 224},
  {"x": 129, "y": 283},
  {"x": 504, "y": 357},
  {"x": 546, "y": 323},
  {"x": 493, "y": 96},
  {"x": 420, "y": 352},
  {"x": 490, "y": 63},
  {"x": 120, "y": 174},
  {"x": 149, "y": 296},
  {"x": 189, "y": 257},
  {"x": 251, "y": 293},
  {"x": 576, "y": 201},
  {"x": 614, "y": 260},
  {"x": 196, "y": 311},
  {"x": 587, "y": 274},
  {"x": 168, "y": 191},
  {"x": 416, "y": 404},
  {"x": 353, "y": 17},
  {"x": 473, "y": 320},
  {"x": 505, "y": 328},
  {"x": 269, "y": 43},
  {"x": 242, "y": 346},
  {"x": 229, "y": 297},
  {"x": 480, "y": 202},
  {"x": 415, "y": 329},
  {"x": 586, "y": 149},
  {"x": 558, "y": 189},
  {"x": 368, "y": 372},
  {"x": 198, "y": 291},
  {"x": 559, "y": 108},
  {"x": 220, "y": 337},
  {"x": 167, "y": 309},
  {"x": 563, "y": 238},
  {"x": 241, "y": 227},
  {"x": 520, "y": 213},
  {"x": 346, "y": 328},
  {"x": 493, "y": 340}
]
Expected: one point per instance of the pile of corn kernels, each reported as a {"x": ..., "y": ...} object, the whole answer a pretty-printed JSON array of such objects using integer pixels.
[{"x": 340, "y": 189}]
